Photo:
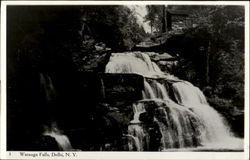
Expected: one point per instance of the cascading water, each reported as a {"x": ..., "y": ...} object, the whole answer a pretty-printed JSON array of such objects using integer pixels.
[
  {"x": 62, "y": 140},
  {"x": 179, "y": 126},
  {"x": 138, "y": 109},
  {"x": 136, "y": 137},
  {"x": 135, "y": 62},
  {"x": 136, "y": 134},
  {"x": 190, "y": 123},
  {"x": 148, "y": 91},
  {"x": 216, "y": 131}
]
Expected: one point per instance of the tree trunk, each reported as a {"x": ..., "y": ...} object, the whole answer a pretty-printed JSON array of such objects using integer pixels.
[
  {"x": 169, "y": 21},
  {"x": 207, "y": 62},
  {"x": 163, "y": 19}
]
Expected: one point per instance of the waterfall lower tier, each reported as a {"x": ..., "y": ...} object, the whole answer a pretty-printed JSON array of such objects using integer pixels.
[
  {"x": 181, "y": 126},
  {"x": 160, "y": 123}
]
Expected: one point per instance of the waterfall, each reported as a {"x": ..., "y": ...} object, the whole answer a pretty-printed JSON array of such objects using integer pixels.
[
  {"x": 190, "y": 122},
  {"x": 52, "y": 130}
]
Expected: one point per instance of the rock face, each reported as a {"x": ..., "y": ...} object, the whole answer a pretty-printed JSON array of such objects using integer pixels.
[
  {"x": 102, "y": 131},
  {"x": 112, "y": 87},
  {"x": 94, "y": 61},
  {"x": 93, "y": 110},
  {"x": 103, "y": 111},
  {"x": 109, "y": 113}
]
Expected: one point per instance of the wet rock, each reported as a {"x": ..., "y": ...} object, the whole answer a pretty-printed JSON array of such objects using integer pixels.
[
  {"x": 46, "y": 143},
  {"x": 103, "y": 130},
  {"x": 165, "y": 56},
  {"x": 35, "y": 143},
  {"x": 160, "y": 56},
  {"x": 146, "y": 117},
  {"x": 151, "y": 105},
  {"x": 168, "y": 66}
]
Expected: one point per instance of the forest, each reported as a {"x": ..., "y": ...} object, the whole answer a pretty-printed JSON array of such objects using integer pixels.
[{"x": 61, "y": 41}]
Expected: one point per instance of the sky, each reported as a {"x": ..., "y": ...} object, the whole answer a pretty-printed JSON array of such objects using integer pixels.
[{"x": 140, "y": 12}]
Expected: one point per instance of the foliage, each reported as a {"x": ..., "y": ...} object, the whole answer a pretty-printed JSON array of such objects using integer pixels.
[
  {"x": 154, "y": 17},
  {"x": 227, "y": 53},
  {"x": 223, "y": 28},
  {"x": 212, "y": 54},
  {"x": 48, "y": 38},
  {"x": 114, "y": 25}
]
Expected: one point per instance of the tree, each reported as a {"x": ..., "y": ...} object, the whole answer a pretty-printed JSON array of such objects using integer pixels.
[
  {"x": 223, "y": 28},
  {"x": 156, "y": 18},
  {"x": 114, "y": 25}
]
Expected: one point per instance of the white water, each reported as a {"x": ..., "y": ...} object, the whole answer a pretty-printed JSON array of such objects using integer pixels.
[
  {"x": 137, "y": 137},
  {"x": 136, "y": 134},
  {"x": 154, "y": 90},
  {"x": 179, "y": 126},
  {"x": 216, "y": 131},
  {"x": 134, "y": 143},
  {"x": 189, "y": 124},
  {"x": 61, "y": 139},
  {"x": 149, "y": 93},
  {"x": 133, "y": 62},
  {"x": 137, "y": 109}
]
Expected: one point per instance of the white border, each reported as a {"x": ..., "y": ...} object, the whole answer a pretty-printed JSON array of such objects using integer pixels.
[{"x": 126, "y": 155}]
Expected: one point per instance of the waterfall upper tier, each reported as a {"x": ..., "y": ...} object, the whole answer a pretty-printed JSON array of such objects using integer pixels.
[{"x": 135, "y": 62}]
